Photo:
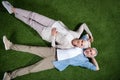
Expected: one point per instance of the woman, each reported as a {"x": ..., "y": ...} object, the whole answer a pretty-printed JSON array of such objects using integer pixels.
[{"x": 49, "y": 29}]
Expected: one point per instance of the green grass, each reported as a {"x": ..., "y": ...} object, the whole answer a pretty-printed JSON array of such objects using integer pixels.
[{"x": 102, "y": 17}]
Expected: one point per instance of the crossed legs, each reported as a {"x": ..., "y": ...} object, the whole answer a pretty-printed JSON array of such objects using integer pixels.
[{"x": 36, "y": 21}]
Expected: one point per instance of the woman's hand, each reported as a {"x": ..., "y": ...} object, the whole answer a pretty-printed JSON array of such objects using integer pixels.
[
  {"x": 91, "y": 38},
  {"x": 53, "y": 32}
]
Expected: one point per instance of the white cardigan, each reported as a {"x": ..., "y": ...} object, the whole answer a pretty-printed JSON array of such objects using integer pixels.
[{"x": 64, "y": 35}]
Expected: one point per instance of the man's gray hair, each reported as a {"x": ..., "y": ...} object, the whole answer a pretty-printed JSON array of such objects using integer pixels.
[{"x": 95, "y": 51}]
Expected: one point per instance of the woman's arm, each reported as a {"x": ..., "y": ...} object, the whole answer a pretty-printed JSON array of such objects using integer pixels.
[
  {"x": 85, "y": 27},
  {"x": 53, "y": 33}
]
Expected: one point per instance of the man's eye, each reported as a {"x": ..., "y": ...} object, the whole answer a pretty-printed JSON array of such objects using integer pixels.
[
  {"x": 90, "y": 50},
  {"x": 81, "y": 44},
  {"x": 91, "y": 53}
]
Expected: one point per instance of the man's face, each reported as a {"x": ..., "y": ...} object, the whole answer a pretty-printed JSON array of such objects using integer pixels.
[
  {"x": 89, "y": 52},
  {"x": 79, "y": 43}
]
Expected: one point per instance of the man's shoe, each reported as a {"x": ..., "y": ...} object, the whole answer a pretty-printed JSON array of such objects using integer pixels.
[
  {"x": 7, "y": 43},
  {"x": 8, "y": 6},
  {"x": 6, "y": 76}
]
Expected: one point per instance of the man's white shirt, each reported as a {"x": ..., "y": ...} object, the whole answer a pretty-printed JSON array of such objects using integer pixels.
[{"x": 69, "y": 53}]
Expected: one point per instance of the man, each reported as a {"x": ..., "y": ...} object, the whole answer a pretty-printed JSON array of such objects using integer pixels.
[
  {"x": 52, "y": 58},
  {"x": 49, "y": 29}
]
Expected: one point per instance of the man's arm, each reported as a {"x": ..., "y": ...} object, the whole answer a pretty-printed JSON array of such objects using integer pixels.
[
  {"x": 95, "y": 63},
  {"x": 85, "y": 27}
]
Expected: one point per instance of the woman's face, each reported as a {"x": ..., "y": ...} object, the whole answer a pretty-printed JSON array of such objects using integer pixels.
[{"x": 79, "y": 43}]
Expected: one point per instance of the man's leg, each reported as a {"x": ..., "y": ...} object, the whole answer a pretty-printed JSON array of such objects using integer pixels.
[
  {"x": 48, "y": 55},
  {"x": 42, "y": 65},
  {"x": 40, "y": 51},
  {"x": 45, "y": 64}
]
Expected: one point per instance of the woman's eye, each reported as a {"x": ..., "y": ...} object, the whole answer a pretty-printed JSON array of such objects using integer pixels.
[{"x": 82, "y": 41}]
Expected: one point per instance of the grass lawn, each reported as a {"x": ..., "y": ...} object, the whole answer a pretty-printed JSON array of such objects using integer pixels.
[{"x": 102, "y": 17}]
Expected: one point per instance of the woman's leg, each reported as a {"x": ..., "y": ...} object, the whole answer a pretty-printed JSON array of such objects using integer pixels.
[
  {"x": 35, "y": 20},
  {"x": 24, "y": 16},
  {"x": 33, "y": 16}
]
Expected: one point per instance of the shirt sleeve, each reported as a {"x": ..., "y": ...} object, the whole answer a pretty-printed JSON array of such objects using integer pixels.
[
  {"x": 63, "y": 24},
  {"x": 64, "y": 46},
  {"x": 89, "y": 65},
  {"x": 57, "y": 46},
  {"x": 61, "y": 65},
  {"x": 60, "y": 46},
  {"x": 84, "y": 27},
  {"x": 53, "y": 42}
]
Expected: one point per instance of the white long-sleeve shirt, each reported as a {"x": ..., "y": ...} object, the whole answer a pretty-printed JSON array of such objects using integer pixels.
[{"x": 64, "y": 36}]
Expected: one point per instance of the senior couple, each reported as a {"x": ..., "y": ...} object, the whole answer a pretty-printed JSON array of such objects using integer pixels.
[{"x": 68, "y": 47}]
